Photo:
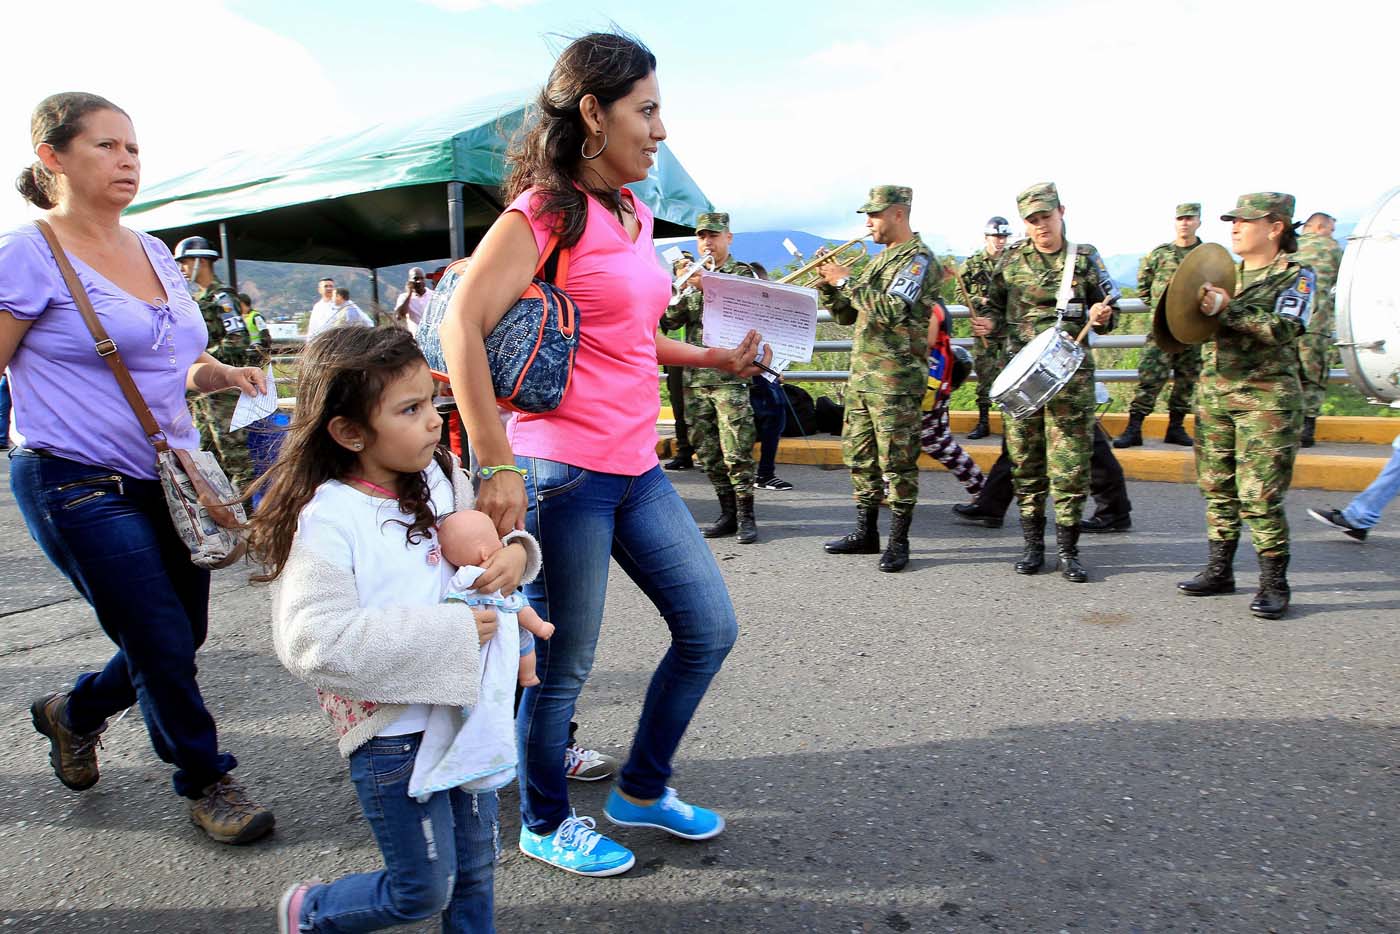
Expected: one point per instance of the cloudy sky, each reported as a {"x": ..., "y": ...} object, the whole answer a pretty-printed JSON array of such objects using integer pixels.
[{"x": 785, "y": 113}]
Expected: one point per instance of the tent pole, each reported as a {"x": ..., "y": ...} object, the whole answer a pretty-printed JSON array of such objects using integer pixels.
[
  {"x": 374, "y": 286},
  {"x": 456, "y": 220},
  {"x": 227, "y": 249}
]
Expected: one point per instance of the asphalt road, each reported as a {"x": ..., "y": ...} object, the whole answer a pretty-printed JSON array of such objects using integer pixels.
[{"x": 954, "y": 748}]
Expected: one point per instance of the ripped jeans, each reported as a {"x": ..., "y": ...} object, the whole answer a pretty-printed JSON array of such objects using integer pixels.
[{"x": 438, "y": 856}]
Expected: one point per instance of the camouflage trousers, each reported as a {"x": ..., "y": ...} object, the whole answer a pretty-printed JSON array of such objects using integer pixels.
[
  {"x": 987, "y": 361},
  {"x": 212, "y": 415},
  {"x": 1156, "y": 367},
  {"x": 1050, "y": 451},
  {"x": 720, "y": 422},
  {"x": 1244, "y": 465},
  {"x": 880, "y": 444},
  {"x": 1315, "y": 357}
]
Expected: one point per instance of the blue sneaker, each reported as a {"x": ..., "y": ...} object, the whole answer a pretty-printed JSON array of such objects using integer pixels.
[
  {"x": 576, "y": 847},
  {"x": 668, "y": 813}
]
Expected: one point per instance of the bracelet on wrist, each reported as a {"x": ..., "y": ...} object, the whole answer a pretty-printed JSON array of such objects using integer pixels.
[{"x": 486, "y": 473}]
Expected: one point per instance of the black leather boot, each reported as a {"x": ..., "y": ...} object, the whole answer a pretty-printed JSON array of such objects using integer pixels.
[
  {"x": 684, "y": 459},
  {"x": 864, "y": 540},
  {"x": 983, "y": 426},
  {"x": 1067, "y": 546},
  {"x": 1132, "y": 435},
  {"x": 1219, "y": 574},
  {"x": 1307, "y": 440},
  {"x": 1176, "y": 431},
  {"x": 1272, "y": 599},
  {"x": 727, "y": 523},
  {"x": 747, "y": 533},
  {"x": 978, "y": 514},
  {"x": 896, "y": 554},
  {"x": 1033, "y": 558},
  {"x": 1106, "y": 523}
]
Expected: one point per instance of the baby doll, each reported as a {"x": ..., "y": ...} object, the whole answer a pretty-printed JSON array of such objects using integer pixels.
[{"x": 467, "y": 540}]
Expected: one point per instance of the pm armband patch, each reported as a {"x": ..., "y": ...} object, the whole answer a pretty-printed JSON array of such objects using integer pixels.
[
  {"x": 233, "y": 323},
  {"x": 1296, "y": 301},
  {"x": 910, "y": 281}
]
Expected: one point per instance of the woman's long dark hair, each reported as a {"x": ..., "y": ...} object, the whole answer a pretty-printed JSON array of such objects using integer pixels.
[
  {"x": 344, "y": 372},
  {"x": 57, "y": 121},
  {"x": 1288, "y": 240},
  {"x": 548, "y": 150}
]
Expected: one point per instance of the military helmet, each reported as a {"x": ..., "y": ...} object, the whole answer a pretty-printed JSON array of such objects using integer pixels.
[
  {"x": 195, "y": 248},
  {"x": 997, "y": 226}
]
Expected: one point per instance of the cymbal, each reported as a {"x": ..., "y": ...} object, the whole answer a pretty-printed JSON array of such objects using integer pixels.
[
  {"x": 1209, "y": 262},
  {"x": 1161, "y": 334}
]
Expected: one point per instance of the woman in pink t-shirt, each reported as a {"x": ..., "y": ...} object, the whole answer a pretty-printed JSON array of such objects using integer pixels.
[{"x": 592, "y": 488}]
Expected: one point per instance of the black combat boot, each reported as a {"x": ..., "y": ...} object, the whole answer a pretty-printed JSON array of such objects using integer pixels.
[
  {"x": 1033, "y": 558},
  {"x": 1067, "y": 546},
  {"x": 978, "y": 514},
  {"x": 1176, "y": 431},
  {"x": 727, "y": 523},
  {"x": 896, "y": 554},
  {"x": 747, "y": 533},
  {"x": 983, "y": 426},
  {"x": 1132, "y": 435},
  {"x": 1272, "y": 599},
  {"x": 1306, "y": 440},
  {"x": 865, "y": 540},
  {"x": 1219, "y": 574},
  {"x": 1102, "y": 522}
]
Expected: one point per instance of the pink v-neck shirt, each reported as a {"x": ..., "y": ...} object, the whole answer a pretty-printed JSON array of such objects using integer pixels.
[
  {"x": 607, "y": 421},
  {"x": 66, "y": 399}
]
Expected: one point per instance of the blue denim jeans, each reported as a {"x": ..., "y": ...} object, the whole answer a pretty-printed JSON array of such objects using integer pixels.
[
  {"x": 1365, "y": 510},
  {"x": 112, "y": 537},
  {"x": 4, "y": 409},
  {"x": 439, "y": 856},
  {"x": 769, "y": 418},
  {"x": 581, "y": 519}
]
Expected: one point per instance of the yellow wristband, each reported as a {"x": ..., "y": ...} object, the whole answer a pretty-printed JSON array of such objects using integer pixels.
[{"x": 486, "y": 473}]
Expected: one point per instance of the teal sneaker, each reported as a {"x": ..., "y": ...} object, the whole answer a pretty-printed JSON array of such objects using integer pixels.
[
  {"x": 668, "y": 813},
  {"x": 576, "y": 847}
]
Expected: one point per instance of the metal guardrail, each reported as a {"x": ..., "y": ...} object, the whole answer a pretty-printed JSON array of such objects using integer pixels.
[{"x": 1106, "y": 341}]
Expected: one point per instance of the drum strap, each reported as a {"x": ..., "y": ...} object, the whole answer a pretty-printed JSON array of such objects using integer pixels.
[{"x": 1066, "y": 293}]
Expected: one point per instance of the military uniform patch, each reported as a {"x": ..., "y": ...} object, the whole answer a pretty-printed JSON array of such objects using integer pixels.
[
  {"x": 230, "y": 315},
  {"x": 1296, "y": 302},
  {"x": 910, "y": 281}
]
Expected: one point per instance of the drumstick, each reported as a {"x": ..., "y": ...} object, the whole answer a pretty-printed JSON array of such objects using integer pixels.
[{"x": 1084, "y": 332}]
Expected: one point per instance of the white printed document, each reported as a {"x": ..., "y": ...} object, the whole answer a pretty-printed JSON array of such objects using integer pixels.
[
  {"x": 785, "y": 316},
  {"x": 253, "y": 408}
]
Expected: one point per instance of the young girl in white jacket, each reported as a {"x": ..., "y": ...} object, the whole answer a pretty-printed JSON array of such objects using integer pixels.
[{"x": 346, "y": 530}]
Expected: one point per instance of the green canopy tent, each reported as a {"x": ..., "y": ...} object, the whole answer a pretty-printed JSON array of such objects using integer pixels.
[{"x": 388, "y": 194}]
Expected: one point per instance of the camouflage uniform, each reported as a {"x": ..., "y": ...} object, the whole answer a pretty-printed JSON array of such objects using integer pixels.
[
  {"x": 1322, "y": 254},
  {"x": 228, "y": 343},
  {"x": 988, "y": 353},
  {"x": 1156, "y": 365},
  {"x": 1251, "y": 399},
  {"x": 719, "y": 415},
  {"x": 889, "y": 301},
  {"x": 1050, "y": 449}
]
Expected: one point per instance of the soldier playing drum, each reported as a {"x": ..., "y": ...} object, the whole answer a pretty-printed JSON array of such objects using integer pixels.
[{"x": 1050, "y": 449}]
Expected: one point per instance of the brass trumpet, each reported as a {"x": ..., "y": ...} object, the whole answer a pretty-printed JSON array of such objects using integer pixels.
[{"x": 845, "y": 254}]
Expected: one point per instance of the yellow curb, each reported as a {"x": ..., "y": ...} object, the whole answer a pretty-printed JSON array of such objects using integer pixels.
[{"x": 1340, "y": 472}]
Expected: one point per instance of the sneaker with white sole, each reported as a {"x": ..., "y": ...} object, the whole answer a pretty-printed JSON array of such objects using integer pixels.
[
  {"x": 668, "y": 813},
  {"x": 772, "y": 483},
  {"x": 576, "y": 847},
  {"x": 587, "y": 765},
  {"x": 289, "y": 907}
]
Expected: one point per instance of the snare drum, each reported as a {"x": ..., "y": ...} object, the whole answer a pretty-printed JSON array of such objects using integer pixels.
[
  {"x": 1034, "y": 375},
  {"x": 1368, "y": 303}
]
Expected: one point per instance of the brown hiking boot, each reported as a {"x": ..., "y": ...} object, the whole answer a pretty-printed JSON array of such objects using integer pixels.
[
  {"x": 72, "y": 755},
  {"x": 227, "y": 815}
]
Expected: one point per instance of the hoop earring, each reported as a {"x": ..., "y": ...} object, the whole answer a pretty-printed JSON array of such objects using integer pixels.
[{"x": 583, "y": 150}]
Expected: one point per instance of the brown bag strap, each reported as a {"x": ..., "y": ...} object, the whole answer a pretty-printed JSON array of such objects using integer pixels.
[{"x": 106, "y": 347}]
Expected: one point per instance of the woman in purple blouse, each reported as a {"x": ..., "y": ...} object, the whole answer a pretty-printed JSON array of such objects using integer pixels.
[{"x": 82, "y": 470}]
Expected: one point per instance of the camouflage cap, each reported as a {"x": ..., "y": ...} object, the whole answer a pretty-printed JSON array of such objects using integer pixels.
[
  {"x": 1251, "y": 207},
  {"x": 1042, "y": 197},
  {"x": 718, "y": 221},
  {"x": 1188, "y": 209},
  {"x": 883, "y": 196}
]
